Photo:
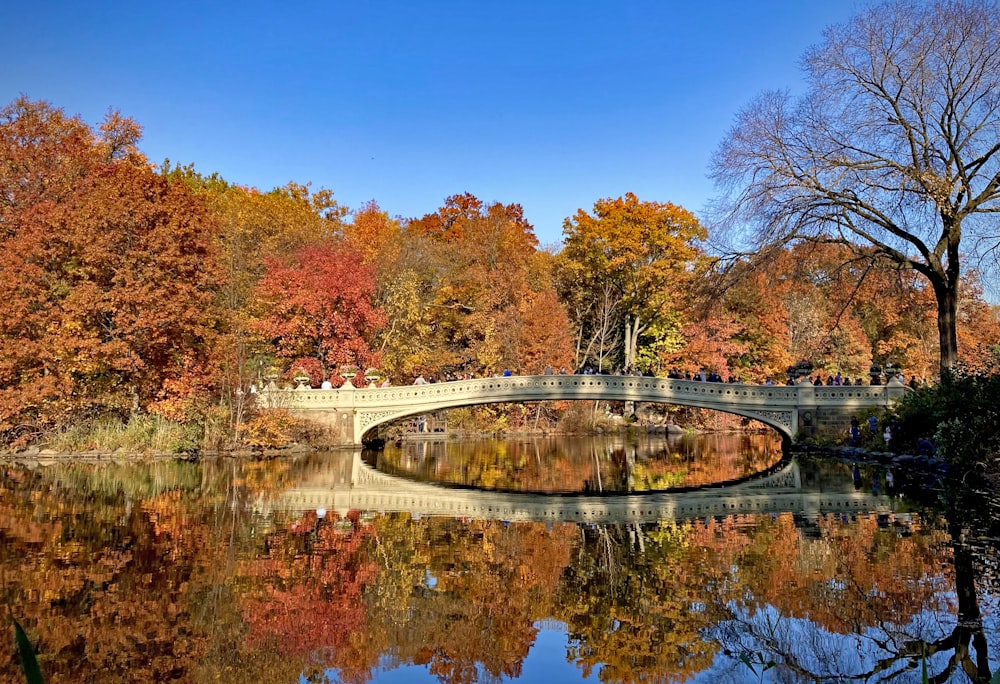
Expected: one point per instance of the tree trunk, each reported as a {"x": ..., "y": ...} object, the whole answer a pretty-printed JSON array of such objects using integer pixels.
[
  {"x": 632, "y": 330},
  {"x": 946, "y": 294},
  {"x": 970, "y": 621}
]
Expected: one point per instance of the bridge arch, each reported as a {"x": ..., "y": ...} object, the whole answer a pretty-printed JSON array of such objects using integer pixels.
[
  {"x": 772, "y": 405},
  {"x": 368, "y": 490},
  {"x": 352, "y": 412}
]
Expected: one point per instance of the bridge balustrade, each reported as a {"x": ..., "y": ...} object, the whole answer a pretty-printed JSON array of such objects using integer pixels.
[{"x": 352, "y": 412}]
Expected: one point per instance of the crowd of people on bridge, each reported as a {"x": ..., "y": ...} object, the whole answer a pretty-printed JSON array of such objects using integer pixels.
[{"x": 702, "y": 375}]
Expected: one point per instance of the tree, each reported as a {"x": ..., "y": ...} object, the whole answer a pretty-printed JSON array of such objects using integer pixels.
[
  {"x": 318, "y": 304},
  {"x": 487, "y": 271},
  {"x": 253, "y": 225},
  {"x": 545, "y": 333},
  {"x": 626, "y": 262},
  {"x": 893, "y": 150},
  {"x": 108, "y": 272}
]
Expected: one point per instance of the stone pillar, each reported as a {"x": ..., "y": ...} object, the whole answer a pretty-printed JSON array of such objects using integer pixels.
[
  {"x": 807, "y": 409},
  {"x": 894, "y": 391}
]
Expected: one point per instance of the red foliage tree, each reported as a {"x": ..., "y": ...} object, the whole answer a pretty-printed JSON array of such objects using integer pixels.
[{"x": 319, "y": 304}]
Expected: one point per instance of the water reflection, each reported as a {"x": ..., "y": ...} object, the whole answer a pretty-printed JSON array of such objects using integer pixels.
[
  {"x": 616, "y": 464},
  {"x": 199, "y": 572}
]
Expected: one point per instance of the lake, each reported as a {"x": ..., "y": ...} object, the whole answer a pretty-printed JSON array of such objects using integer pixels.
[{"x": 605, "y": 559}]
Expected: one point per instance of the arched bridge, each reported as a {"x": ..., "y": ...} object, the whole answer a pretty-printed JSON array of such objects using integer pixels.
[{"x": 352, "y": 412}]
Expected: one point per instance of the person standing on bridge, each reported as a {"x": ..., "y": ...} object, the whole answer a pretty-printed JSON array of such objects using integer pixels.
[{"x": 420, "y": 380}]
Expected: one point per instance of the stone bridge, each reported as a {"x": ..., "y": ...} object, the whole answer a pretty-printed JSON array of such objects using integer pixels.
[
  {"x": 352, "y": 413},
  {"x": 342, "y": 482}
]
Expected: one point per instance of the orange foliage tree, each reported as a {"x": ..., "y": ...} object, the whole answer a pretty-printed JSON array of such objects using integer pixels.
[
  {"x": 108, "y": 269},
  {"x": 822, "y": 303},
  {"x": 622, "y": 272},
  {"x": 489, "y": 288}
]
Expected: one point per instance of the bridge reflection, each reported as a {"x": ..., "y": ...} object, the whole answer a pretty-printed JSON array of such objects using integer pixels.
[{"x": 341, "y": 482}]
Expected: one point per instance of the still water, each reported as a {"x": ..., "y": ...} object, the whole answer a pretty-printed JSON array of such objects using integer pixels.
[{"x": 605, "y": 560}]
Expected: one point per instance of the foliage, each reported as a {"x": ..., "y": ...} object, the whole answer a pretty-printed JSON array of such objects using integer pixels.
[
  {"x": 823, "y": 303},
  {"x": 962, "y": 417},
  {"x": 318, "y": 304},
  {"x": 545, "y": 339},
  {"x": 251, "y": 225},
  {"x": 310, "y": 367},
  {"x": 481, "y": 298},
  {"x": 625, "y": 267},
  {"x": 26, "y": 652},
  {"x": 110, "y": 271},
  {"x": 276, "y": 428},
  {"x": 170, "y": 293}
]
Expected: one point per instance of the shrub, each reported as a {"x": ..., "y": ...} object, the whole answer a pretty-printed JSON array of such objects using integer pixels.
[
  {"x": 961, "y": 415},
  {"x": 276, "y": 428}
]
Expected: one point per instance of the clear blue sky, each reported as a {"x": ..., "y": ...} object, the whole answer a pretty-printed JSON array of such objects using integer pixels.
[{"x": 551, "y": 105}]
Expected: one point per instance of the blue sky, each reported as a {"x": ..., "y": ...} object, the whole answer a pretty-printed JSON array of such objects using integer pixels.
[{"x": 551, "y": 105}]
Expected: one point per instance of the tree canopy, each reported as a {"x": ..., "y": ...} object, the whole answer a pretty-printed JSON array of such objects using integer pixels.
[
  {"x": 107, "y": 268},
  {"x": 622, "y": 268},
  {"x": 892, "y": 151},
  {"x": 133, "y": 288}
]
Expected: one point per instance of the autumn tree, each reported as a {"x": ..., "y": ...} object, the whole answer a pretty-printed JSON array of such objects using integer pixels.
[
  {"x": 892, "y": 152},
  {"x": 761, "y": 326},
  {"x": 253, "y": 224},
  {"x": 624, "y": 268},
  {"x": 318, "y": 304},
  {"x": 490, "y": 286},
  {"x": 108, "y": 270},
  {"x": 545, "y": 338},
  {"x": 405, "y": 266},
  {"x": 823, "y": 303},
  {"x": 978, "y": 328}
]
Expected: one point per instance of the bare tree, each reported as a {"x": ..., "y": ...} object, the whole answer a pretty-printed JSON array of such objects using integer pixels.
[{"x": 895, "y": 146}]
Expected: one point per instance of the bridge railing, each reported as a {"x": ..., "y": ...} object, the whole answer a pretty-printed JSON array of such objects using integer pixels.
[
  {"x": 597, "y": 387},
  {"x": 352, "y": 412}
]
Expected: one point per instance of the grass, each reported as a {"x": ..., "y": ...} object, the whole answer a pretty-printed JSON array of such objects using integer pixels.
[
  {"x": 140, "y": 434},
  {"x": 29, "y": 664}
]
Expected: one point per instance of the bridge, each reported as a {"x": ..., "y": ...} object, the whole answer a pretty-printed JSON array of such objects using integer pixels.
[
  {"x": 351, "y": 413},
  {"x": 343, "y": 482}
]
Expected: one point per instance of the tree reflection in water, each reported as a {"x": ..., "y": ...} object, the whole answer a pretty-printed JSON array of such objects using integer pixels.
[
  {"x": 936, "y": 635},
  {"x": 616, "y": 464},
  {"x": 194, "y": 572}
]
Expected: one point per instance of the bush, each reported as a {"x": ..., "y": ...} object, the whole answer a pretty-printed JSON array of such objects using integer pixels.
[
  {"x": 276, "y": 428},
  {"x": 961, "y": 416}
]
